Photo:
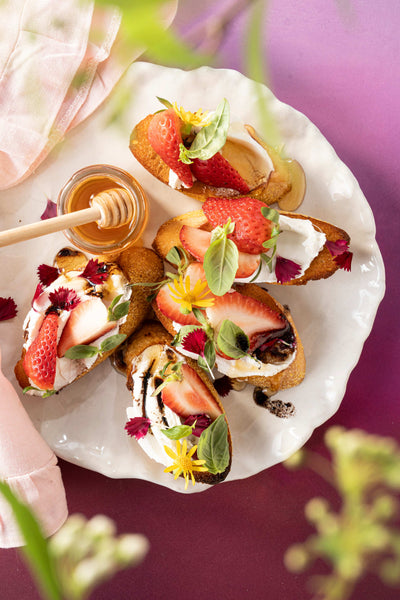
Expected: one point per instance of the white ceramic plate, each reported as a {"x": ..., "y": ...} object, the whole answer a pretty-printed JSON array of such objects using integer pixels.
[{"x": 84, "y": 424}]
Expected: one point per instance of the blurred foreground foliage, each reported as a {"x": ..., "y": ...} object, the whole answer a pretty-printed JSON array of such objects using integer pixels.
[
  {"x": 81, "y": 555},
  {"x": 362, "y": 536}
]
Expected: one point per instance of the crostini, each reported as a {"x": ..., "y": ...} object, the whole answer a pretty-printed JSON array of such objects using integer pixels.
[
  {"x": 244, "y": 334},
  {"x": 81, "y": 311},
  {"x": 205, "y": 154},
  {"x": 270, "y": 246},
  {"x": 176, "y": 415}
]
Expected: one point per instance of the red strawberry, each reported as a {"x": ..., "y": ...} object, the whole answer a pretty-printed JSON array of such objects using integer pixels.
[
  {"x": 87, "y": 322},
  {"x": 167, "y": 305},
  {"x": 251, "y": 228},
  {"x": 40, "y": 359},
  {"x": 255, "y": 318},
  {"x": 164, "y": 135},
  {"x": 196, "y": 241},
  {"x": 190, "y": 396},
  {"x": 218, "y": 172}
]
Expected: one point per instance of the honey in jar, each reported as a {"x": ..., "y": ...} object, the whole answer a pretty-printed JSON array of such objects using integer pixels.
[{"x": 77, "y": 195}]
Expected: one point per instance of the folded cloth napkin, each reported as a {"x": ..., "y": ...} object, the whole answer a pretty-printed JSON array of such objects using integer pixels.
[
  {"x": 56, "y": 67},
  {"x": 29, "y": 467}
]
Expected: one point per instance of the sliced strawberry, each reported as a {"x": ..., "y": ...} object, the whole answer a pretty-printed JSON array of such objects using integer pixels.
[
  {"x": 87, "y": 322},
  {"x": 256, "y": 319},
  {"x": 170, "y": 308},
  {"x": 190, "y": 396},
  {"x": 41, "y": 357},
  {"x": 164, "y": 135},
  {"x": 196, "y": 241},
  {"x": 218, "y": 172},
  {"x": 251, "y": 227}
]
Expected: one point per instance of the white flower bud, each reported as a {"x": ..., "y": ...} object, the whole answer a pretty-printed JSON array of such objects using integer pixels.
[{"x": 131, "y": 549}]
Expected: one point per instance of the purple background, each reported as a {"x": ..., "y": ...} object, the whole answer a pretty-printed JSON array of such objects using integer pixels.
[{"x": 337, "y": 62}]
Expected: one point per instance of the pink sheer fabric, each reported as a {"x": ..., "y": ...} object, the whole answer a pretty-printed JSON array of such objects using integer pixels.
[
  {"x": 29, "y": 467},
  {"x": 55, "y": 69}
]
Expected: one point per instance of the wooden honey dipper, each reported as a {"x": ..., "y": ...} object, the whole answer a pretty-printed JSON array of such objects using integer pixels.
[{"x": 110, "y": 208}]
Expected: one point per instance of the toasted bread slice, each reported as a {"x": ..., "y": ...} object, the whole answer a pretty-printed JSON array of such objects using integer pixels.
[
  {"x": 286, "y": 185},
  {"x": 322, "y": 266},
  {"x": 143, "y": 355},
  {"x": 288, "y": 376},
  {"x": 137, "y": 265}
]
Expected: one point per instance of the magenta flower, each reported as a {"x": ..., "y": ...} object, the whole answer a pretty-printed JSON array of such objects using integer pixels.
[
  {"x": 137, "y": 427},
  {"x": 50, "y": 211},
  {"x": 200, "y": 422},
  {"x": 8, "y": 309},
  {"x": 195, "y": 341},
  {"x": 286, "y": 269},
  {"x": 338, "y": 247},
  {"x": 223, "y": 385},
  {"x": 47, "y": 274},
  {"x": 344, "y": 260},
  {"x": 95, "y": 272},
  {"x": 64, "y": 299}
]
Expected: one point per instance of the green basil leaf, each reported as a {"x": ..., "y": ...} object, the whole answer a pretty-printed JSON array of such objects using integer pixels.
[
  {"x": 36, "y": 548},
  {"x": 210, "y": 138},
  {"x": 177, "y": 432},
  {"x": 232, "y": 340},
  {"x": 115, "y": 301},
  {"x": 112, "y": 342},
  {"x": 121, "y": 310},
  {"x": 209, "y": 353},
  {"x": 271, "y": 214},
  {"x": 81, "y": 351},
  {"x": 174, "y": 256},
  {"x": 221, "y": 262},
  {"x": 213, "y": 446}
]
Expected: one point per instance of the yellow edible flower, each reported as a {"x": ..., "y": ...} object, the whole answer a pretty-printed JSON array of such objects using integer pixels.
[
  {"x": 187, "y": 297},
  {"x": 183, "y": 463},
  {"x": 198, "y": 119}
]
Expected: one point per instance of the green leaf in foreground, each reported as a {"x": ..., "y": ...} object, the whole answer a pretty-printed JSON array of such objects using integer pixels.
[
  {"x": 36, "y": 549},
  {"x": 232, "y": 340},
  {"x": 210, "y": 138},
  {"x": 221, "y": 262},
  {"x": 213, "y": 446}
]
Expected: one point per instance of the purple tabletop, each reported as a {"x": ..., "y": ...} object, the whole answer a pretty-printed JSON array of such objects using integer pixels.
[{"x": 337, "y": 62}]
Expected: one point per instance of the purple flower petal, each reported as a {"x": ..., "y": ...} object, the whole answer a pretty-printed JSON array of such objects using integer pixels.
[
  {"x": 344, "y": 260},
  {"x": 202, "y": 422},
  {"x": 50, "y": 211},
  {"x": 338, "y": 247},
  {"x": 137, "y": 427},
  {"x": 286, "y": 269},
  {"x": 8, "y": 309}
]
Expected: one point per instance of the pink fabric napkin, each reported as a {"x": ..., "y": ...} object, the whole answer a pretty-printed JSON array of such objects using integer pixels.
[
  {"x": 29, "y": 467},
  {"x": 56, "y": 67}
]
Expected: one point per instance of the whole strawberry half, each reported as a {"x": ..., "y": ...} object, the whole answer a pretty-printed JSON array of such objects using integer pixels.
[
  {"x": 164, "y": 136},
  {"x": 217, "y": 171},
  {"x": 40, "y": 359},
  {"x": 251, "y": 227}
]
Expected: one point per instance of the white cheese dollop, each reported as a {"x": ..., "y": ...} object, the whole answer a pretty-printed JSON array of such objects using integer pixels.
[
  {"x": 154, "y": 441},
  {"x": 298, "y": 241}
]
